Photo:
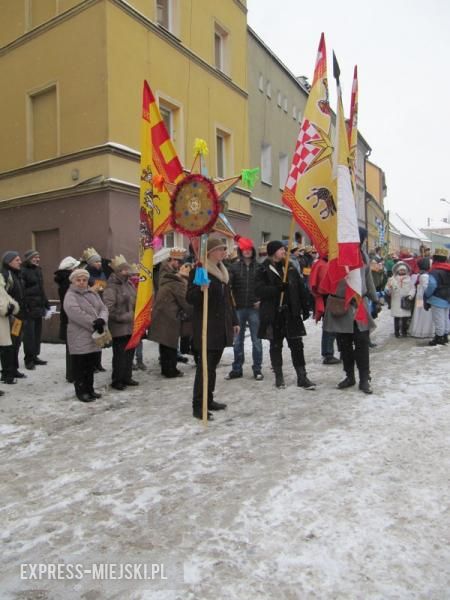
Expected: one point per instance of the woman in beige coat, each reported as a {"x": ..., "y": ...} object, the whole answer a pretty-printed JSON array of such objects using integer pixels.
[
  {"x": 86, "y": 313},
  {"x": 8, "y": 307},
  {"x": 120, "y": 299}
]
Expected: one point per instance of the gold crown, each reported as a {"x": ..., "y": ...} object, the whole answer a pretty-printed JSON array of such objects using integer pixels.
[
  {"x": 178, "y": 253},
  {"x": 119, "y": 261},
  {"x": 88, "y": 252},
  {"x": 441, "y": 252}
]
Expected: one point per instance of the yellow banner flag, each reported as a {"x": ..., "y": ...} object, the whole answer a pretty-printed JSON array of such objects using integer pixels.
[
  {"x": 309, "y": 190},
  {"x": 144, "y": 298}
]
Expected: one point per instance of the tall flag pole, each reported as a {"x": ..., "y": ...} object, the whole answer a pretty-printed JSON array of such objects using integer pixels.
[
  {"x": 353, "y": 127},
  {"x": 345, "y": 258},
  {"x": 309, "y": 189}
]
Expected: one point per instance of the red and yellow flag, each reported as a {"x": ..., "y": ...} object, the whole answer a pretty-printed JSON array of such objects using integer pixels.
[
  {"x": 164, "y": 162},
  {"x": 144, "y": 299},
  {"x": 159, "y": 160},
  {"x": 309, "y": 191}
]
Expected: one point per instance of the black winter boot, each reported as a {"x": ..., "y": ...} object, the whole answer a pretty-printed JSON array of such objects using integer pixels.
[
  {"x": 279, "y": 379},
  {"x": 349, "y": 381},
  {"x": 438, "y": 340},
  {"x": 302, "y": 379},
  {"x": 397, "y": 326},
  {"x": 445, "y": 338}
]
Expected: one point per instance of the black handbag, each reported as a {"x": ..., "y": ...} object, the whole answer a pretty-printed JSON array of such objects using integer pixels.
[{"x": 406, "y": 303}]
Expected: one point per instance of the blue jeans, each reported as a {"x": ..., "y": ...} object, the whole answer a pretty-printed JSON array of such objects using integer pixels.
[
  {"x": 327, "y": 343},
  {"x": 248, "y": 316}
]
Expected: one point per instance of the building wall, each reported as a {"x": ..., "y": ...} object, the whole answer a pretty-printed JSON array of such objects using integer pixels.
[
  {"x": 274, "y": 125},
  {"x": 375, "y": 193}
]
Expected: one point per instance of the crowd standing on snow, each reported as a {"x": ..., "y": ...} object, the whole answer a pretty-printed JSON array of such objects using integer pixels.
[{"x": 98, "y": 297}]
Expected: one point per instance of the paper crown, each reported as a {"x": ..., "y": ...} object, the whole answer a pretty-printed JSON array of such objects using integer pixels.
[
  {"x": 119, "y": 261},
  {"x": 177, "y": 253},
  {"x": 88, "y": 253}
]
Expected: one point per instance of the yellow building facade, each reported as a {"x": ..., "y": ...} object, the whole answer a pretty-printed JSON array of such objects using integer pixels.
[
  {"x": 375, "y": 194},
  {"x": 69, "y": 157}
]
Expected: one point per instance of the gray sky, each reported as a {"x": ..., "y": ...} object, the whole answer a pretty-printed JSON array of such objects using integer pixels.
[{"x": 402, "y": 49}]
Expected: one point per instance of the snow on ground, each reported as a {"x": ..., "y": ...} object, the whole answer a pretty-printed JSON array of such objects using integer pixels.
[{"x": 288, "y": 494}]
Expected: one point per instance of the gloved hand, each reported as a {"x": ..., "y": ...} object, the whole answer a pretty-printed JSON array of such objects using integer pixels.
[
  {"x": 10, "y": 309},
  {"x": 305, "y": 315},
  {"x": 99, "y": 325}
]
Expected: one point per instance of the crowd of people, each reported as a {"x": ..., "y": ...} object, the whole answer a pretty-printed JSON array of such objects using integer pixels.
[{"x": 98, "y": 297}]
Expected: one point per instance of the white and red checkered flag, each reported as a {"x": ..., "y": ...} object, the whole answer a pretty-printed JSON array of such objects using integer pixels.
[{"x": 309, "y": 189}]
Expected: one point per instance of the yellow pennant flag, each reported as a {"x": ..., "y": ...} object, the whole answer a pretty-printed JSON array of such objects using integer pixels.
[
  {"x": 309, "y": 190},
  {"x": 144, "y": 298}
]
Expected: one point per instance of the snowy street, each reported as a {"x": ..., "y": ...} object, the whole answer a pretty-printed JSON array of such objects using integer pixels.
[{"x": 288, "y": 494}]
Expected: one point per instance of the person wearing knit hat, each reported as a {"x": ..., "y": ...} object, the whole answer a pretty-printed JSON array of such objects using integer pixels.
[
  {"x": 242, "y": 284},
  {"x": 87, "y": 318},
  {"x": 97, "y": 282},
  {"x": 8, "y": 308},
  {"x": 273, "y": 247},
  {"x": 10, "y": 269},
  {"x": 61, "y": 278},
  {"x": 36, "y": 307},
  {"x": 29, "y": 254},
  {"x": 437, "y": 296},
  {"x": 400, "y": 287},
  {"x": 223, "y": 324},
  {"x": 120, "y": 300},
  {"x": 285, "y": 303}
]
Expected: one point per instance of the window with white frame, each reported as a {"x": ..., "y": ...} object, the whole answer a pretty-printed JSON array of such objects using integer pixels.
[
  {"x": 283, "y": 167},
  {"x": 279, "y": 99},
  {"x": 169, "y": 240},
  {"x": 285, "y": 104},
  {"x": 171, "y": 114},
  {"x": 269, "y": 89},
  {"x": 43, "y": 125},
  {"x": 266, "y": 164},
  {"x": 163, "y": 13},
  {"x": 261, "y": 82},
  {"x": 265, "y": 237},
  {"x": 223, "y": 153},
  {"x": 168, "y": 118},
  {"x": 221, "y": 45},
  {"x": 294, "y": 112}
]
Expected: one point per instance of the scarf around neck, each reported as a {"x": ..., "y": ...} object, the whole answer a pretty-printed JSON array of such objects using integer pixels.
[{"x": 218, "y": 270}]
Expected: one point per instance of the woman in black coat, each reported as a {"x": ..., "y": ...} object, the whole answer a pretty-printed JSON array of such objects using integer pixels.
[
  {"x": 223, "y": 323},
  {"x": 286, "y": 320}
]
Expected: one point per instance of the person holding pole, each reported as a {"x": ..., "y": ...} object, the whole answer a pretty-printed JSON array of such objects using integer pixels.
[
  {"x": 221, "y": 321},
  {"x": 284, "y": 307}
]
